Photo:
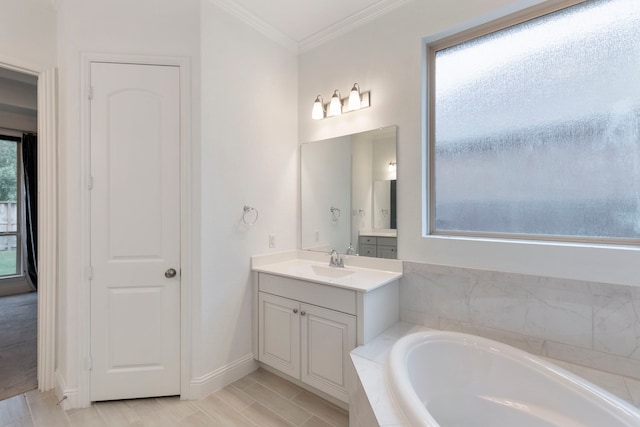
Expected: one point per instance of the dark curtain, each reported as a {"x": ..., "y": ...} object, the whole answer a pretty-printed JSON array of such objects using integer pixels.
[{"x": 30, "y": 172}]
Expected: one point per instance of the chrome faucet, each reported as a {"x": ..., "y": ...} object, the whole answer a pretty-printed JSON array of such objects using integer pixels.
[{"x": 335, "y": 260}]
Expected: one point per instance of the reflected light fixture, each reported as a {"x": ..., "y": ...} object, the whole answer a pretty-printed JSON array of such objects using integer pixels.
[
  {"x": 318, "y": 109},
  {"x": 354, "y": 97},
  {"x": 335, "y": 106},
  {"x": 392, "y": 170}
]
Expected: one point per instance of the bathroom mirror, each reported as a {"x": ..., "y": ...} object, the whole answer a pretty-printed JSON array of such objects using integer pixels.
[{"x": 348, "y": 193}]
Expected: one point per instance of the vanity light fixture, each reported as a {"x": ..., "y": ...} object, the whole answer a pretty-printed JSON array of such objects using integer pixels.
[
  {"x": 318, "y": 109},
  {"x": 337, "y": 106}
]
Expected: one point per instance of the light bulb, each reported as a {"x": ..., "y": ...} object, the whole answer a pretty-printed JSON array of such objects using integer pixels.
[
  {"x": 335, "y": 106},
  {"x": 317, "y": 113},
  {"x": 354, "y": 97}
]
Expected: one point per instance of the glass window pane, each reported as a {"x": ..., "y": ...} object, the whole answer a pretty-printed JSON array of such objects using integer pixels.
[
  {"x": 537, "y": 126},
  {"x": 9, "y": 220},
  {"x": 8, "y": 167},
  {"x": 8, "y": 256}
]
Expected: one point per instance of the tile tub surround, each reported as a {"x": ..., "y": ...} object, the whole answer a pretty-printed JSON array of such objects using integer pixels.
[
  {"x": 372, "y": 405},
  {"x": 595, "y": 325}
]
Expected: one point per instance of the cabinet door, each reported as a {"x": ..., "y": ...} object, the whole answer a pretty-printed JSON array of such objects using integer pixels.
[
  {"x": 279, "y": 333},
  {"x": 326, "y": 340}
]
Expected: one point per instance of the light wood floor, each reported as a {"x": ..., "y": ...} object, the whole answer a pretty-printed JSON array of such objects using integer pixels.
[{"x": 259, "y": 399}]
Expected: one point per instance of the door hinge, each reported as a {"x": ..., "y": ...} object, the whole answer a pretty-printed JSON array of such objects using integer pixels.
[
  {"x": 90, "y": 273},
  {"x": 90, "y": 92},
  {"x": 89, "y": 363},
  {"x": 90, "y": 183}
]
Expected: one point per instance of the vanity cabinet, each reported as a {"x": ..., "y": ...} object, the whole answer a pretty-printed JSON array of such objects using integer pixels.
[
  {"x": 308, "y": 316},
  {"x": 379, "y": 247},
  {"x": 307, "y": 341}
]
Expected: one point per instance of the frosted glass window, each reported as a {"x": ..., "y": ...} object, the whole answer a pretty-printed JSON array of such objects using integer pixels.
[{"x": 537, "y": 127}]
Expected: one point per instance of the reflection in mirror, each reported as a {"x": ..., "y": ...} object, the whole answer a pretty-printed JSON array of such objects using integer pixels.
[
  {"x": 348, "y": 193},
  {"x": 384, "y": 204}
]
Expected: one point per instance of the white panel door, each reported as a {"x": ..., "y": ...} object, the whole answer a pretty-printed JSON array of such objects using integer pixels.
[
  {"x": 327, "y": 337},
  {"x": 135, "y": 231}
]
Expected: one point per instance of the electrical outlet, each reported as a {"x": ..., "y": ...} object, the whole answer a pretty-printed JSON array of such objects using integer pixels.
[{"x": 272, "y": 240}]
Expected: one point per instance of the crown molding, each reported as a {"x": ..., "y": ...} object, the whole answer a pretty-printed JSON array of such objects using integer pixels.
[
  {"x": 256, "y": 23},
  {"x": 349, "y": 23},
  {"x": 332, "y": 31}
]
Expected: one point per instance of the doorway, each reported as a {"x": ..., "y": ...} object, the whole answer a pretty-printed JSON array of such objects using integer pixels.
[{"x": 18, "y": 233}]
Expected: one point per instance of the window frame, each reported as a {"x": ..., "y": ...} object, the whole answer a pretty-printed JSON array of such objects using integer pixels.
[
  {"x": 19, "y": 233},
  {"x": 452, "y": 38}
]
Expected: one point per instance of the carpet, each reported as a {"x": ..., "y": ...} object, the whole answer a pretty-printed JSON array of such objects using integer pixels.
[{"x": 18, "y": 344}]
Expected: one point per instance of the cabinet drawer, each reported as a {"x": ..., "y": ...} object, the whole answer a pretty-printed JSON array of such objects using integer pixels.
[
  {"x": 388, "y": 241},
  {"x": 331, "y": 297},
  {"x": 367, "y": 240},
  {"x": 368, "y": 250},
  {"x": 387, "y": 252}
]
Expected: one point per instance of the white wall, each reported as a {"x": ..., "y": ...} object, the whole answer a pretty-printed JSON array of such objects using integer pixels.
[
  {"x": 249, "y": 156},
  {"x": 27, "y": 43},
  {"x": 386, "y": 57},
  {"x": 27, "y": 33}
]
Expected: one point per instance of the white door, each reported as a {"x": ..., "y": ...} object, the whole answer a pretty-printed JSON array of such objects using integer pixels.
[{"x": 135, "y": 231}]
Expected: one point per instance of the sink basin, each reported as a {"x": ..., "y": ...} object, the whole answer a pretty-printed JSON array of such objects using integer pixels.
[{"x": 333, "y": 272}]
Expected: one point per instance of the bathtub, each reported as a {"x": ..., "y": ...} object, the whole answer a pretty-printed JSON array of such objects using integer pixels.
[{"x": 451, "y": 379}]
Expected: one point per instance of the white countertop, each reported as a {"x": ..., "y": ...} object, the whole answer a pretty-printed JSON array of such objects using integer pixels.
[
  {"x": 360, "y": 274},
  {"x": 379, "y": 232}
]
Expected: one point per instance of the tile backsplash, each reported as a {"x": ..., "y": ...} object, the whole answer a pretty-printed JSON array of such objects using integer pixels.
[{"x": 587, "y": 323}]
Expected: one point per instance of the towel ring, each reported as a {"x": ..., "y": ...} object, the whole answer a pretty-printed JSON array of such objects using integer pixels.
[
  {"x": 335, "y": 213},
  {"x": 247, "y": 210}
]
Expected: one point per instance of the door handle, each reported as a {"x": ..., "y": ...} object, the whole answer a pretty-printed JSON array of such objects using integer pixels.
[{"x": 170, "y": 273}]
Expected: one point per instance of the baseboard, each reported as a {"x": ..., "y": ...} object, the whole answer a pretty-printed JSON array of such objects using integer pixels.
[
  {"x": 15, "y": 286},
  {"x": 67, "y": 396},
  {"x": 221, "y": 377}
]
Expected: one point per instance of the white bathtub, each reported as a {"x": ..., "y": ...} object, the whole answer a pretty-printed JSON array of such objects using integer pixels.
[{"x": 450, "y": 379}]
